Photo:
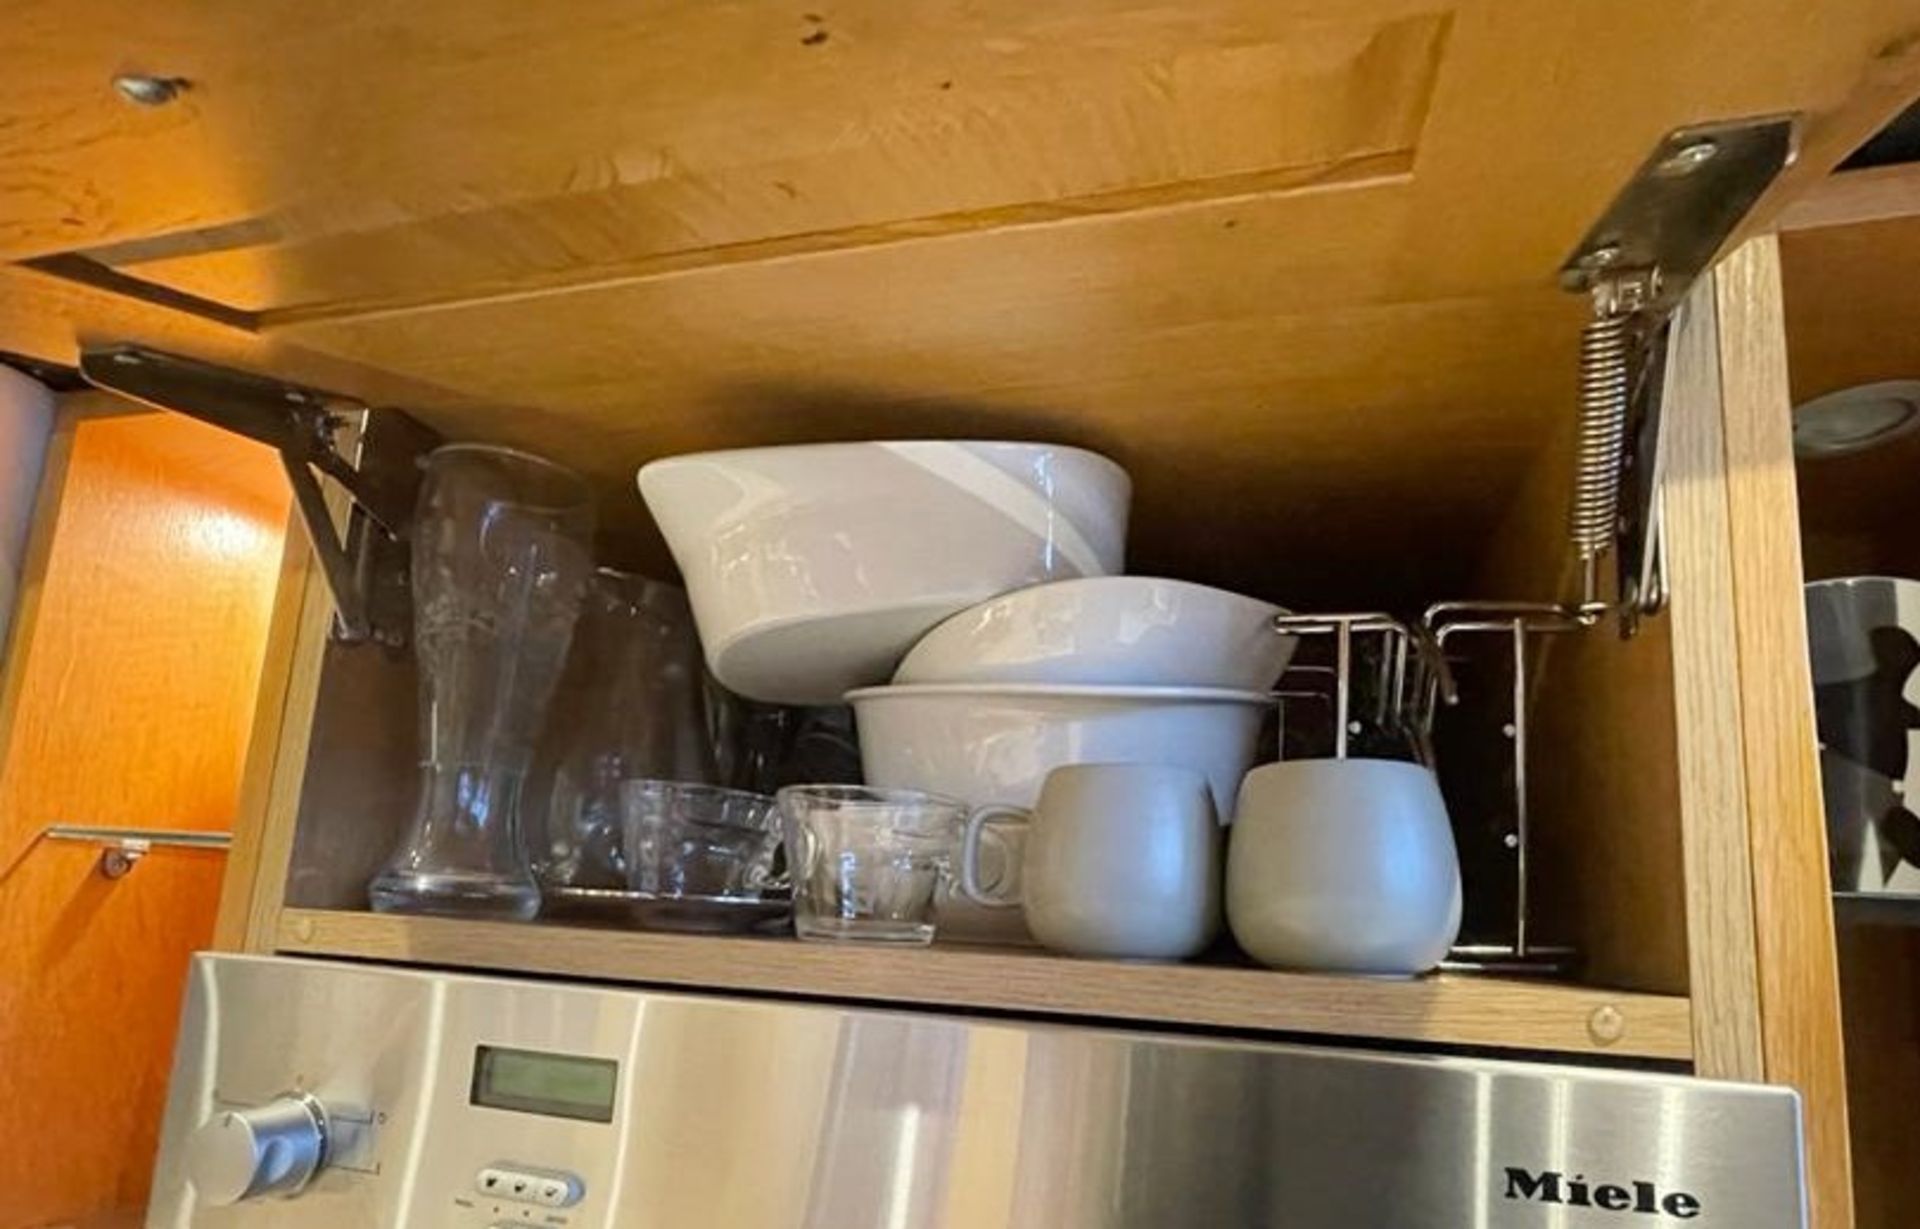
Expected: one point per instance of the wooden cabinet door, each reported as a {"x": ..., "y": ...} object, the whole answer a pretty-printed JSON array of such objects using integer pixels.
[{"x": 128, "y": 700}]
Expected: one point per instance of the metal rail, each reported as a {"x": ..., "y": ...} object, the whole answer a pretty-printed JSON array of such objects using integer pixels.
[{"x": 124, "y": 847}]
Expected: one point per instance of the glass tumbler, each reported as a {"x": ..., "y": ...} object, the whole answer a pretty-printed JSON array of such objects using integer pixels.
[
  {"x": 685, "y": 839},
  {"x": 501, "y": 555},
  {"x": 865, "y": 862},
  {"x": 629, "y": 705}
]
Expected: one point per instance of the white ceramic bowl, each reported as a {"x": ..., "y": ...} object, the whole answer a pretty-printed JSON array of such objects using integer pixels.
[
  {"x": 998, "y": 742},
  {"x": 813, "y": 569},
  {"x": 1136, "y": 631}
]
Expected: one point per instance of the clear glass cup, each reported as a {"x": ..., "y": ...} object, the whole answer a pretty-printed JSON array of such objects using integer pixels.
[
  {"x": 629, "y": 705},
  {"x": 687, "y": 839},
  {"x": 865, "y": 862},
  {"x": 501, "y": 548}
]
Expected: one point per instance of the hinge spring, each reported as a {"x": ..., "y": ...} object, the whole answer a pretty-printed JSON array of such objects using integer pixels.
[{"x": 1604, "y": 354}]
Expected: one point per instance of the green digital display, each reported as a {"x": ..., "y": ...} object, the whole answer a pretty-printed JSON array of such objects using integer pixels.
[{"x": 557, "y": 1085}]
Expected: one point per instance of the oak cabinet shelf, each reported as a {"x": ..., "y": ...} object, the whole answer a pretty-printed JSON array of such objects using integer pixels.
[{"x": 1446, "y": 1010}]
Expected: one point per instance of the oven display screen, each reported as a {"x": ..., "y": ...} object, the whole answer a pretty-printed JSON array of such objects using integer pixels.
[{"x": 558, "y": 1085}]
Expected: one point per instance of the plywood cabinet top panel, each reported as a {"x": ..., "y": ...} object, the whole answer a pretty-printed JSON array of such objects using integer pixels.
[
  {"x": 520, "y": 137},
  {"x": 333, "y": 155}
]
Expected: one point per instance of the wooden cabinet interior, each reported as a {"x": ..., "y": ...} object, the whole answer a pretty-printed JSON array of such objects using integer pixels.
[{"x": 1620, "y": 828}]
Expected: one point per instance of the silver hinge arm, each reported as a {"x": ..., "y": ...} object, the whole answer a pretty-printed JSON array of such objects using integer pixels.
[{"x": 301, "y": 425}]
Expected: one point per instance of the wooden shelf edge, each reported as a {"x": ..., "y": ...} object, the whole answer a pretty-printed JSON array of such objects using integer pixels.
[
  {"x": 1852, "y": 197},
  {"x": 1446, "y": 1010}
]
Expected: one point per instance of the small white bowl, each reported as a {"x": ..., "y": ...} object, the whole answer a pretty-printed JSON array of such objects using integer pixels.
[
  {"x": 1107, "y": 631},
  {"x": 813, "y": 569},
  {"x": 997, "y": 742}
]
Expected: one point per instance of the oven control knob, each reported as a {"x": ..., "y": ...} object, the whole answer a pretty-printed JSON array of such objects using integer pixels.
[{"x": 273, "y": 1149}]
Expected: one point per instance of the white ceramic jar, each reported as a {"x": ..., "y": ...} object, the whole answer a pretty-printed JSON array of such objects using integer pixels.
[{"x": 1344, "y": 866}]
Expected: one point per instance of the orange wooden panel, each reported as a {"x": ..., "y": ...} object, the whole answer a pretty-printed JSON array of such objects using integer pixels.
[{"x": 134, "y": 667}]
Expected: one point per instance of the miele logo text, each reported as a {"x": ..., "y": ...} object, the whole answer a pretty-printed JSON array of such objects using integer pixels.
[{"x": 1550, "y": 1186}]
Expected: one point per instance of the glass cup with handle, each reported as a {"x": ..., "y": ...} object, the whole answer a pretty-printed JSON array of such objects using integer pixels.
[
  {"x": 865, "y": 862},
  {"x": 1121, "y": 861}
]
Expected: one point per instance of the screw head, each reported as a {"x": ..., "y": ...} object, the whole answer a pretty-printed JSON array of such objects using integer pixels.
[
  {"x": 1606, "y": 1025},
  {"x": 1688, "y": 158},
  {"x": 1602, "y": 257},
  {"x": 146, "y": 90},
  {"x": 1511, "y": 840}
]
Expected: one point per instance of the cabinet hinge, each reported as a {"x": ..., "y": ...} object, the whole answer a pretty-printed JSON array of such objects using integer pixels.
[
  {"x": 1637, "y": 264},
  {"x": 366, "y": 565}
]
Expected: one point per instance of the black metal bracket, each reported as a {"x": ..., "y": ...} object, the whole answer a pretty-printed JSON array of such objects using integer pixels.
[
  {"x": 1638, "y": 263},
  {"x": 366, "y": 568}
]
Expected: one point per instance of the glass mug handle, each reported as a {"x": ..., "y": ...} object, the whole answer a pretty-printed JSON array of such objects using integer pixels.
[
  {"x": 761, "y": 877},
  {"x": 970, "y": 855}
]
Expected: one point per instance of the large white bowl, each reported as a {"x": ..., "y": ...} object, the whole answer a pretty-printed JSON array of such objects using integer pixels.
[
  {"x": 1107, "y": 631},
  {"x": 812, "y": 569},
  {"x": 997, "y": 743}
]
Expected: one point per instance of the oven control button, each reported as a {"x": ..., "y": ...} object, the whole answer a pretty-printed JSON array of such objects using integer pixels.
[
  {"x": 273, "y": 1149},
  {"x": 546, "y": 1187}
]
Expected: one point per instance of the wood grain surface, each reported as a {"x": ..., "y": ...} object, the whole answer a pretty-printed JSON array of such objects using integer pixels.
[
  {"x": 1442, "y": 1010},
  {"x": 446, "y": 146},
  {"x": 561, "y": 141},
  {"x": 1799, "y": 990},
  {"x": 1718, "y": 806},
  {"x": 130, "y": 685}
]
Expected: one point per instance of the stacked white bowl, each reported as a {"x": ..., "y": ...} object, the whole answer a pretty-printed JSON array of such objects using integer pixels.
[{"x": 1117, "y": 669}]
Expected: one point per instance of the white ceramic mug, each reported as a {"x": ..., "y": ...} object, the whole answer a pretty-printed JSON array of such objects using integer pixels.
[
  {"x": 1122, "y": 860},
  {"x": 1343, "y": 866}
]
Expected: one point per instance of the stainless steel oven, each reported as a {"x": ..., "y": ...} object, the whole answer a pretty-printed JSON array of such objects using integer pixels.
[{"x": 317, "y": 1094}]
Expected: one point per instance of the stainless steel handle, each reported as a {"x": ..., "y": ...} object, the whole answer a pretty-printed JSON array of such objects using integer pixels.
[{"x": 124, "y": 847}]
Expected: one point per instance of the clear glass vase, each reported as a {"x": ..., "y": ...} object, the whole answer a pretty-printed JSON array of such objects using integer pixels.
[
  {"x": 502, "y": 544},
  {"x": 629, "y": 706}
]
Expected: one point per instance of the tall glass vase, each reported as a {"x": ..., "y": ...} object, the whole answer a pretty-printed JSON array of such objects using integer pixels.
[{"x": 501, "y": 558}]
